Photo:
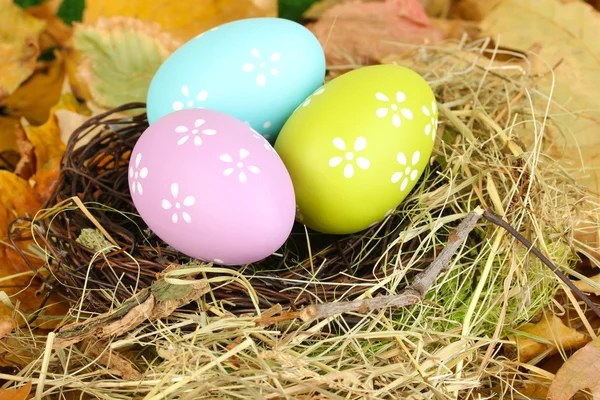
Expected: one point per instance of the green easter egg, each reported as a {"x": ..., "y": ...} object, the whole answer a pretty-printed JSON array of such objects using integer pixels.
[{"x": 357, "y": 146}]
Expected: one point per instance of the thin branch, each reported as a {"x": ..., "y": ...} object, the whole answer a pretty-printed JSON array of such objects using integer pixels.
[
  {"x": 497, "y": 220},
  {"x": 411, "y": 294}
]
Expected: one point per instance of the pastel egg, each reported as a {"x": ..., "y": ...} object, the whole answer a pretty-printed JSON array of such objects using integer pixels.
[
  {"x": 257, "y": 70},
  {"x": 211, "y": 187},
  {"x": 358, "y": 145}
]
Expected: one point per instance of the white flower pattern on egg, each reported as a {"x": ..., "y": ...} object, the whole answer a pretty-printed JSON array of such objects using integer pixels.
[
  {"x": 359, "y": 144},
  {"x": 136, "y": 175},
  {"x": 261, "y": 78},
  {"x": 394, "y": 107},
  {"x": 193, "y": 133},
  {"x": 409, "y": 172},
  {"x": 316, "y": 93},
  {"x": 176, "y": 205},
  {"x": 189, "y": 102},
  {"x": 242, "y": 176},
  {"x": 431, "y": 127}
]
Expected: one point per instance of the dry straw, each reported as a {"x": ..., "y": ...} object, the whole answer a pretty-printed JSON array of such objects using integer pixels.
[{"x": 242, "y": 340}]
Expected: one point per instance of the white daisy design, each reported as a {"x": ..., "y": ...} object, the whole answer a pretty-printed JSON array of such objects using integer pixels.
[
  {"x": 242, "y": 176},
  {"x": 409, "y": 173},
  {"x": 316, "y": 93},
  {"x": 431, "y": 127},
  {"x": 266, "y": 143},
  {"x": 261, "y": 78},
  {"x": 359, "y": 144},
  {"x": 176, "y": 205},
  {"x": 189, "y": 102},
  {"x": 194, "y": 132},
  {"x": 394, "y": 107},
  {"x": 137, "y": 175}
]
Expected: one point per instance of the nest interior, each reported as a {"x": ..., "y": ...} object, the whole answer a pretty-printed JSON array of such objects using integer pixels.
[{"x": 488, "y": 153}]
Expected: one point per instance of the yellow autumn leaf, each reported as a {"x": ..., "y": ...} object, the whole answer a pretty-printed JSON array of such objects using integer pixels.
[
  {"x": 19, "y": 46},
  {"x": 8, "y": 132},
  {"x": 34, "y": 98},
  {"x": 550, "y": 334},
  {"x": 566, "y": 35},
  {"x": 184, "y": 19}
]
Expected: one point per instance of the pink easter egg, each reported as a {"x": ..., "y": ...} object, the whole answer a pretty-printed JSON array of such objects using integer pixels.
[{"x": 211, "y": 187}]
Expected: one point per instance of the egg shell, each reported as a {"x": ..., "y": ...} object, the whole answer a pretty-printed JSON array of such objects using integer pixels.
[
  {"x": 211, "y": 187},
  {"x": 357, "y": 146},
  {"x": 257, "y": 70}
]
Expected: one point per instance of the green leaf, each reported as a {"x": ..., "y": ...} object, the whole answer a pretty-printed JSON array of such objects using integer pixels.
[
  {"x": 71, "y": 11},
  {"x": 293, "y": 9},
  {"x": 120, "y": 57},
  {"x": 28, "y": 3},
  {"x": 47, "y": 55}
]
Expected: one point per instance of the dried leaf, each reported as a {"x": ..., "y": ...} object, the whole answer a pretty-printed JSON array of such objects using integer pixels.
[
  {"x": 548, "y": 334},
  {"x": 19, "y": 46},
  {"x": 113, "y": 360},
  {"x": 8, "y": 132},
  {"x": 567, "y": 33},
  {"x": 581, "y": 371},
  {"x": 113, "y": 61},
  {"x": 7, "y": 325},
  {"x": 586, "y": 287},
  {"x": 363, "y": 32},
  {"x": 472, "y": 10},
  {"x": 17, "y": 199},
  {"x": 456, "y": 28},
  {"x": 34, "y": 99},
  {"x": 21, "y": 393},
  {"x": 46, "y": 139},
  {"x": 186, "y": 19},
  {"x": 14, "y": 354}
]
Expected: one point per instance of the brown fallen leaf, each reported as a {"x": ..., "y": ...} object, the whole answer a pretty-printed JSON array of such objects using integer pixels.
[
  {"x": 113, "y": 360},
  {"x": 456, "y": 28},
  {"x": 187, "y": 18},
  {"x": 21, "y": 393},
  {"x": 360, "y": 32},
  {"x": 472, "y": 10},
  {"x": 587, "y": 288},
  {"x": 19, "y": 47},
  {"x": 566, "y": 33},
  {"x": 14, "y": 354},
  {"x": 548, "y": 334},
  {"x": 580, "y": 371},
  {"x": 7, "y": 325}
]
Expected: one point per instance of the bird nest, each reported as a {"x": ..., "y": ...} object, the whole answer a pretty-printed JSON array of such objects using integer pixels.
[{"x": 237, "y": 338}]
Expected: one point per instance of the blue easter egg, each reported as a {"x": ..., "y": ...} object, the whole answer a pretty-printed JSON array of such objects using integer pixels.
[{"x": 257, "y": 70}]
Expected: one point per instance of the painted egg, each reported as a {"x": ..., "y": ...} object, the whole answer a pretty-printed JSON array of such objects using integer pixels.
[
  {"x": 257, "y": 70},
  {"x": 356, "y": 147},
  {"x": 211, "y": 187}
]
